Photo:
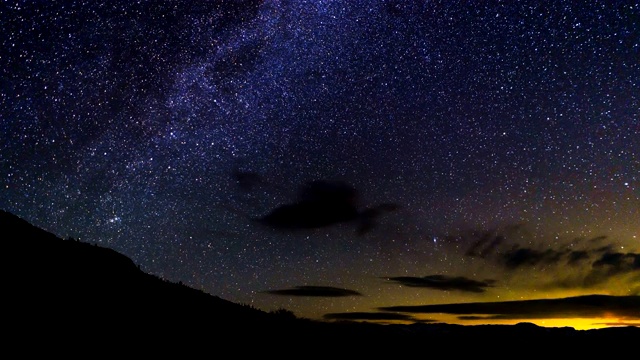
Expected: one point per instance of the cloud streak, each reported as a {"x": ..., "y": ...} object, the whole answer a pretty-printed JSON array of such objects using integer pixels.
[
  {"x": 371, "y": 316},
  {"x": 591, "y": 306},
  {"x": 443, "y": 282},
  {"x": 580, "y": 263},
  {"x": 316, "y": 291}
]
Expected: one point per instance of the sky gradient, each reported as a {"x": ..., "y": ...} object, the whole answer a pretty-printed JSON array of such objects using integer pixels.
[{"x": 337, "y": 158}]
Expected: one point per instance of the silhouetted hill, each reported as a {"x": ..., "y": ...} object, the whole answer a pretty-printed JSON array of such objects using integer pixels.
[
  {"x": 83, "y": 286},
  {"x": 67, "y": 288}
]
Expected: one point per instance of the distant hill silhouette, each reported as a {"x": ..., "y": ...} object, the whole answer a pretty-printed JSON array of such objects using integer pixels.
[
  {"x": 87, "y": 290},
  {"x": 56, "y": 288}
]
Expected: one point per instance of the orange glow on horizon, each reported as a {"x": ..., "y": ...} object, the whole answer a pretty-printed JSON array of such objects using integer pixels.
[{"x": 576, "y": 323}]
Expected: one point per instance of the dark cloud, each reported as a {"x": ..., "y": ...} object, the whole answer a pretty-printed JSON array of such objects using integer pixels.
[
  {"x": 504, "y": 245},
  {"x": 577, "y": 257},
  {"x": 616, "y": 323},
  {"x": 529, "y": 257},
  {"x": 443, "y": 282},
  {"x": 367, "y": 218},
  {"x": 246, "y": 180},
  {"x": 592, "y": 261},
  {"x": 319, "y": 291},
  {"x": 613, "y": 264},
  {"x": 472, "y": 317},
  {"x": 618, "y": 262},
  {"x": 585, "y": 268},
  {"x": 320, "y": 203},
  {"x": 378, "y": 316},
  {"x": 597, "y": 239},
  {"x": 592, "y": 306},
  {"x": 485, "y": 244},
  {"x": 601, "y": 260},
  {"x": 324, "y": 203}
]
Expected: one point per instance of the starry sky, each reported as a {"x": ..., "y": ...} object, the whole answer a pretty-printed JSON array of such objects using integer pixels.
[{"x": 338, "y": 159}]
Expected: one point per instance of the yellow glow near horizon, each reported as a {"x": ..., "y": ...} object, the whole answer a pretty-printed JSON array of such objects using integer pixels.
[
  {"x": 576, "y": 323},
  {"x": 586, "y": 324}
]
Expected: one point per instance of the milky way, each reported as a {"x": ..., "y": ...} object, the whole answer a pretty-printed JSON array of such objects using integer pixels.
[{"x": 164, "y": 129}]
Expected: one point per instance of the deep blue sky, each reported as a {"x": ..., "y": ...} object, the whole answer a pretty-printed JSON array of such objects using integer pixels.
[{"x": 162, "y": 129}]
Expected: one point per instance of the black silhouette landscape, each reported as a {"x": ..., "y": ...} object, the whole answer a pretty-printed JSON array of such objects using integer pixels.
[{"x": 97, "y": 293}]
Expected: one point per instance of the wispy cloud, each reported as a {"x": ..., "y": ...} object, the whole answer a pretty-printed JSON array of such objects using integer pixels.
[
  {"x": 319, "y": 291},
  {"x": 592, "y": 306},
  {"x": 576, "y": 263},
  {"x": 443, "y": 282},
  {"x": 372, "y": 316}
]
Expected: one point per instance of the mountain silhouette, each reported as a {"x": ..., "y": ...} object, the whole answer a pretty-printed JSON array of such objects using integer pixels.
[
  {"x": 53, "y": 282},
  {"x": 56, "y": 289}
]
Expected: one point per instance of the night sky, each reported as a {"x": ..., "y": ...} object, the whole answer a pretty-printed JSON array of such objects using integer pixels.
[{"x": 335, "y": 158}]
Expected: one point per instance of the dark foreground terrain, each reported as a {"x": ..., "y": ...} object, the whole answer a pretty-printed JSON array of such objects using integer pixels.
[{"x": 70, "y": 293}]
